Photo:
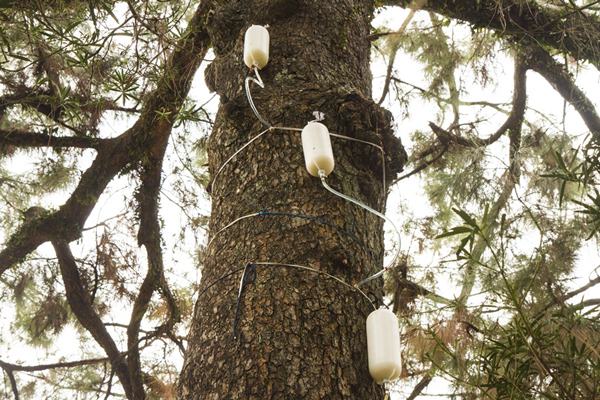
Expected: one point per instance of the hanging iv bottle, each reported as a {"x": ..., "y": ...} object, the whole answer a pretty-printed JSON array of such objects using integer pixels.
[
  {"x": 256, "y": 46},
  {"x": 383, "y": 342},
  {"x": 316, "y": 145}
]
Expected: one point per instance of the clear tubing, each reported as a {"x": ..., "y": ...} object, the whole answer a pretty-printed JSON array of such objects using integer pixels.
[
  {"x": 372, "y": 144},
  {"x": 260, "y": 83},
  {"x": 358, "y": 203},
  {"x": 235, "y": 154},
  {"x": 370, "y": 278},
  {"x": 282, "y": 128},
  {"x": 318, "y": 272}
]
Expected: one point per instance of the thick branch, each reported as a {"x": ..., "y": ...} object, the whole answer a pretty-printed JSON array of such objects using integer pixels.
[
  {"x": 512, "y": 124},
  {"x": 590, "y": 303},
  {"x": 430, "y": 295},
  {"x": 544, "y": 64},
  {"x": 66, "y": 223},
  {"x": 509, "y": 180},
  {"x": 81, "y": 306},
  {"x": 21, "y": 138},
  {"x": 449, "y": 76},
  {"x": 516, "y": 116},
  {"x": 563, "y": 30},
  {"x": 28, "y": 97},
  {"x": 43, "y": 367},
  {"x": 148, "y": 236},
  {"x": 591, "y": 283},
  {"x": 13, "y": 381}
]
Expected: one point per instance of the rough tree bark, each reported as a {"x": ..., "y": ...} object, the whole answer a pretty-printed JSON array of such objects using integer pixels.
[{"x": 299, "y": 334}]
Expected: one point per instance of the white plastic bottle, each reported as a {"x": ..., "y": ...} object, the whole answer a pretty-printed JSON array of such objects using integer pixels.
[
  {"x": 383, "y": 342},
  {"x": 256, "y": 46},
  {"x": 316, "y": 145}
]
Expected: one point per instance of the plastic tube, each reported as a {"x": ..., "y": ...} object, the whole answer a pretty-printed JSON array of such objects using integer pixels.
[
  {"x": 372, "y": 144},
  {"x": 358, "y": 203},
  {"x": 260, "y": 83}
]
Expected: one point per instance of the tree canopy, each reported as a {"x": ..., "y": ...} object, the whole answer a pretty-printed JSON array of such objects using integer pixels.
[{"x": 104, "y": 151}]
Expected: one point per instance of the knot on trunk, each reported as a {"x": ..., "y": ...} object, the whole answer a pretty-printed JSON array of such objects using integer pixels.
[{"x": 365, "y": 120}]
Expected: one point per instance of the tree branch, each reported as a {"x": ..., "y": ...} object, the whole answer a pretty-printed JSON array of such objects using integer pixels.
[
  {"x": 509, "y": 178},
  {"x": 423, "y": 165},
  {"x": 420, "y": 387},
  {"x": 149, "y": 236},
  {"x": 79, "y": 302},
  {"x": 560, "y": 29},
  {"x": 28, "y": 98},
  {"x": 512, "y": 124},
  {"x": 43, "y": 367},
  {"x": 414, "y": 7},
  {"x": 11, "y": 378},
  {"x": 22, "y": 138},
  {"x": 591, "y": 302},
  {"x": 409, "y": 84},
  {"x": 555, "y": 74},
  {"x": 591, "y": 283},
  {"x": 513, "y": 121},
  {"x": 114, "y": 154},
  {"x": 66, "y": 223},
  {"x": 517, "y": 116}
]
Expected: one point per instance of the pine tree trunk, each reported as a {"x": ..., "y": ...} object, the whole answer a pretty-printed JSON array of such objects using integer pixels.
[{"x": 299, "y": 334}]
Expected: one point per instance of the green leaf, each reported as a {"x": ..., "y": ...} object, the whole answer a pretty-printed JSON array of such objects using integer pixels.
[
  {"x": 455, "y": 231},
  {"x": 465, "y": 217},
  {"x": 20, "y": 57}
]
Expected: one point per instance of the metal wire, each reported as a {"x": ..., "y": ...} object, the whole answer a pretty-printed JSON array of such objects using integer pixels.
[
  {"x": 230, "y": 225},
  {"x": 353, "y": 288},
  {"x": 323, "y": 222},
  {"x": 235, "y": 154},
  {"x": 263, "y": 213}
]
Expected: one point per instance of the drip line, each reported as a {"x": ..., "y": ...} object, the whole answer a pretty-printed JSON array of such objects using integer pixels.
[
  {"x": 247, "y": 278},
  {"x": 372, "y": 144},
  {"x": 283, "y": 128},
  {"x": 358, "y": 203},
  {"x": 322, "y": 273},
  {"x": 288, "y": 129},
  {"x": 229, "y": 226},
  {"x": 260, "y": 83}
]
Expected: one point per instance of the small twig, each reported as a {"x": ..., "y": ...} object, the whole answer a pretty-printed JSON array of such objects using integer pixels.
[
  {"x": 420, "y": 387},
  {"x": 414, "y": 7},
  {"x": 423, "y": 165}
]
